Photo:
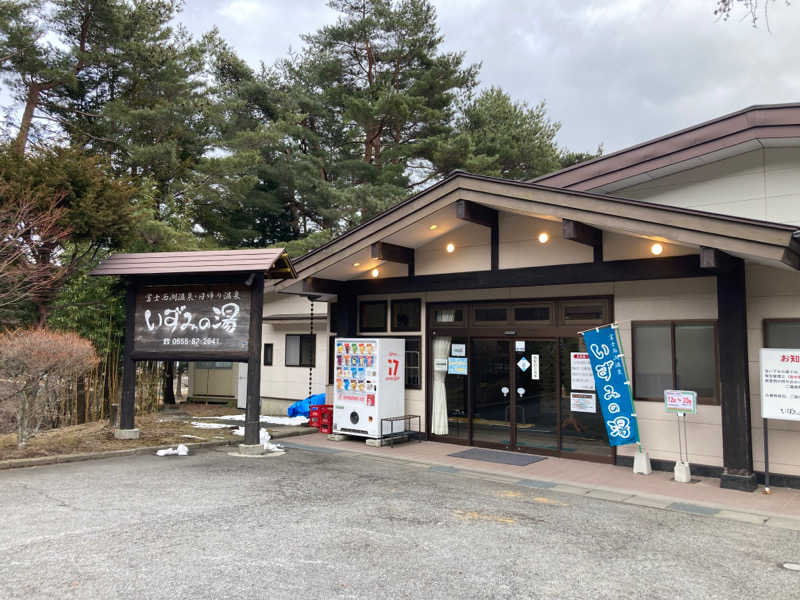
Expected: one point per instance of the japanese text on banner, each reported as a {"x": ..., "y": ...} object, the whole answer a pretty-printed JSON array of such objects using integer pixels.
[{"x": 612, "y": 385}]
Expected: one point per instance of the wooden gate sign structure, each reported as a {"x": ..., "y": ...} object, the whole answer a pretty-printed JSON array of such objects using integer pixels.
[{"x": 204, "y": 305}]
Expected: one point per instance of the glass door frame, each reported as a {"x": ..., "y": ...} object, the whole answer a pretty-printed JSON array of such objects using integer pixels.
[{"x": 520, "y": 331}]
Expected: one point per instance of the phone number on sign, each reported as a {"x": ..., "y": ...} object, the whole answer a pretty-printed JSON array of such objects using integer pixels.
[{"x": 191, "y": 341}]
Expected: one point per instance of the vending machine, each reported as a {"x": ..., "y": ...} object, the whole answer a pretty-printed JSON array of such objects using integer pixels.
[{"x": 369, "y": 385}]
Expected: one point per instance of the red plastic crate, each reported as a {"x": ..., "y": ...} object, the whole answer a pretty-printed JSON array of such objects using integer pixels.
[{"x": 326, "y": 428}]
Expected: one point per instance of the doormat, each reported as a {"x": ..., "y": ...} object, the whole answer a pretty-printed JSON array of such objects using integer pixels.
[{"x": 493, "y": 456}]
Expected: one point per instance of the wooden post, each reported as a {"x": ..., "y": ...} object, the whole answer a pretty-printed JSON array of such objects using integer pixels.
[
  {"x": 252, "y": 424},
  {"x": 127, "y": 407},
  {"x": 737, "y": 445}
]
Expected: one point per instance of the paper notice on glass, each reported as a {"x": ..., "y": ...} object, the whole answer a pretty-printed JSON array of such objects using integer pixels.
[
  {"x": 458, "y": 350},
  {"x": 583, "y": 402},
  {"x": 581, "y": 376},
  {"x": 535, "y": 367},
  {"x": 519, "y": 345},
  {"x": 440, "y": 364},
  {"x": 456, "y": 366}
]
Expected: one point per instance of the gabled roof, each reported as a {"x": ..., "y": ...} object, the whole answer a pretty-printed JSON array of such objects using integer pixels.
[
  {"x": 273, "y": 261},
  {"x": 735, "y": 133},
  {"x": 736, "y": 235}
]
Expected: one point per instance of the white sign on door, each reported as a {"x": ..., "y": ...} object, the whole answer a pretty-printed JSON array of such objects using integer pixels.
[
  {"x": 458, "y": 350},
  {"x": 535, "y": 367},
  {"x": 583, "y": 402},
  {"x": 581, "y": 376},
  {"x": 780, "y": 384}
]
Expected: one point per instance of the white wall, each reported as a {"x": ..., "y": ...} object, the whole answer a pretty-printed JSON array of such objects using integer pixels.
[{"x": 763, "y": 184}]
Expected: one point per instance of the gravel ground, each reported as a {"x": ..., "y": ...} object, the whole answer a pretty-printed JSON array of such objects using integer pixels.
[{"x": 338, "y": 525}]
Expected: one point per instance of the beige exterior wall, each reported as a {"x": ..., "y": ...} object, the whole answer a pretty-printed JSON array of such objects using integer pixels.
[
  {"x": 471, "y": 252},
  {"x": 772, "y": 294},
  {"x": 669, "y": 299},
  {"x": 762, "y": 184},
  {"x": 520, "y": 247}
]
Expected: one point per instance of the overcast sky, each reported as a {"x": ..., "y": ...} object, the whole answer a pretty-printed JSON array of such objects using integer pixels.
[{"x": 615, "y": 72}]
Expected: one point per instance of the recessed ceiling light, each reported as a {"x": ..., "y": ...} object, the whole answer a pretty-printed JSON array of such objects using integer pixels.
[
  {"x": 375, "y": 272},
  {"x": 356, "y": 264},
  {"x": 544, "y": 237},
  {"x": 450, "y": 247},
  {"x": 432, "y": 227},
  {"x": 656, "y": 248}
]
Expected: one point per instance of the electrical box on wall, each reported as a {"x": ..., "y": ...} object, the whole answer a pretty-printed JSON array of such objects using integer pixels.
[{"x": 369, "y": 384}]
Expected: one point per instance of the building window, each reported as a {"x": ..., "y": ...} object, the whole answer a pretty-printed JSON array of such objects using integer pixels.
[
  {"x": 448, "y": 316},
  {"x": 677, "y": 355},
  {"x": 372, "y": 317},
  {"x": 300, "y": 350},
  {"x": 406, "y": 315},
  {"x": 489, "y": 314},
  {"x": 413, "y": 362},
  {"x": 782, "y": 333},
  {"x": 204, "y": 364},
  {"x": 267, "y": 355},
  {"x": 582, "y": 312}
]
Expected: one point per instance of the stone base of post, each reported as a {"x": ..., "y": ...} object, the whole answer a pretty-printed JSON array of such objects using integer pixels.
[{"x": 126, "y": 434}]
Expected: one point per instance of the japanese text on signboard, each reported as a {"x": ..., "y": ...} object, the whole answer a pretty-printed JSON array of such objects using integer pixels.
[{"x": 192, "y": 318}]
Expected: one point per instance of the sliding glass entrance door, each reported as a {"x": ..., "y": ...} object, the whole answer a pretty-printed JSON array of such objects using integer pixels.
[
  {"x": 536, "y": 393},
  {"x": 491, "y": 393}
]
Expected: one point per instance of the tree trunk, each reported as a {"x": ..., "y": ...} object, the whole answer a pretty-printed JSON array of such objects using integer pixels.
[
  {"x": 31, "y": 102},
  {"x": 80, "y": 404},
  {"x": 168, "y": 383}
]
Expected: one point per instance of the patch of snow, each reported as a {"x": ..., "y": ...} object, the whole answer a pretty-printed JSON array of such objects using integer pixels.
[
  {"x": 200, "y": 425},
  {"x": 264, "y": 419},
  {"x": 294, "y": 421},
  {"x": 192, "y": 437},
  {"x": 180, "y": 450},
  {"x": 264, "y": 439}
]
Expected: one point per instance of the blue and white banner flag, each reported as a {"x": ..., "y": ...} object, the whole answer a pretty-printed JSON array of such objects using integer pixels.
[{"x": 612, "y": 384}]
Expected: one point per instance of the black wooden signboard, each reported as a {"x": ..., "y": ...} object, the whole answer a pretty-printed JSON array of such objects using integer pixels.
[{"x": 192, "y": 319}]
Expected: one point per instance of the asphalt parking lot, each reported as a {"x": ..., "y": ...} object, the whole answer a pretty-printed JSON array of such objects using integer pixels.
[{"x": 340, "y": 525}]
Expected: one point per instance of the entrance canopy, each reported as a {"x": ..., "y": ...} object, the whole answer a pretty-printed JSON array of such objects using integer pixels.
[{"x": 396, "y": 241}]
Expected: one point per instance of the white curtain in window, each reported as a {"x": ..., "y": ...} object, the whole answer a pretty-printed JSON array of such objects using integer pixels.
[{"x": 441, "y": 350}]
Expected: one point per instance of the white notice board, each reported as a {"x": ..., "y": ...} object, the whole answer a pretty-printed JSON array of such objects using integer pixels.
[
  {"x": 581, "y": 374},
  {"x": 780, "y": 384}
]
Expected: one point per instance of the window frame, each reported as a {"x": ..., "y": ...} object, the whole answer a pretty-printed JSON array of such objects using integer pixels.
[
  {"x": 302, "y": 336},
  {"x": 394, "y": 302},
  {"x": 361, "y": 327},
  {"x": 765, "y": 341},
  {"x": 705, "y": 400},
  {"x": 270, "y": 354}
]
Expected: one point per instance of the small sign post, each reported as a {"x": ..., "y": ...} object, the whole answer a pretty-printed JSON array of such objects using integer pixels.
[{"x": 681, "y": 402}]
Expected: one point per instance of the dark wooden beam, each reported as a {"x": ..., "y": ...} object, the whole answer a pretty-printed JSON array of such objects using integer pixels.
[
  {"x": 487, "y": 217},
  {"x": 347, "y": 314},
  {"x": 717, "y": 261},
  {"x": 737, "y": 440},
  {"x": 252, "y": 423},
  {"x": 584, "y": 234},
  {"x": 393, "y": 253},
  {"x": 318, "y": 285},
  {"x": 476, "y": 213},
  {"x": 127, "y": 406},
  {"x": 618, "y": 270}
]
